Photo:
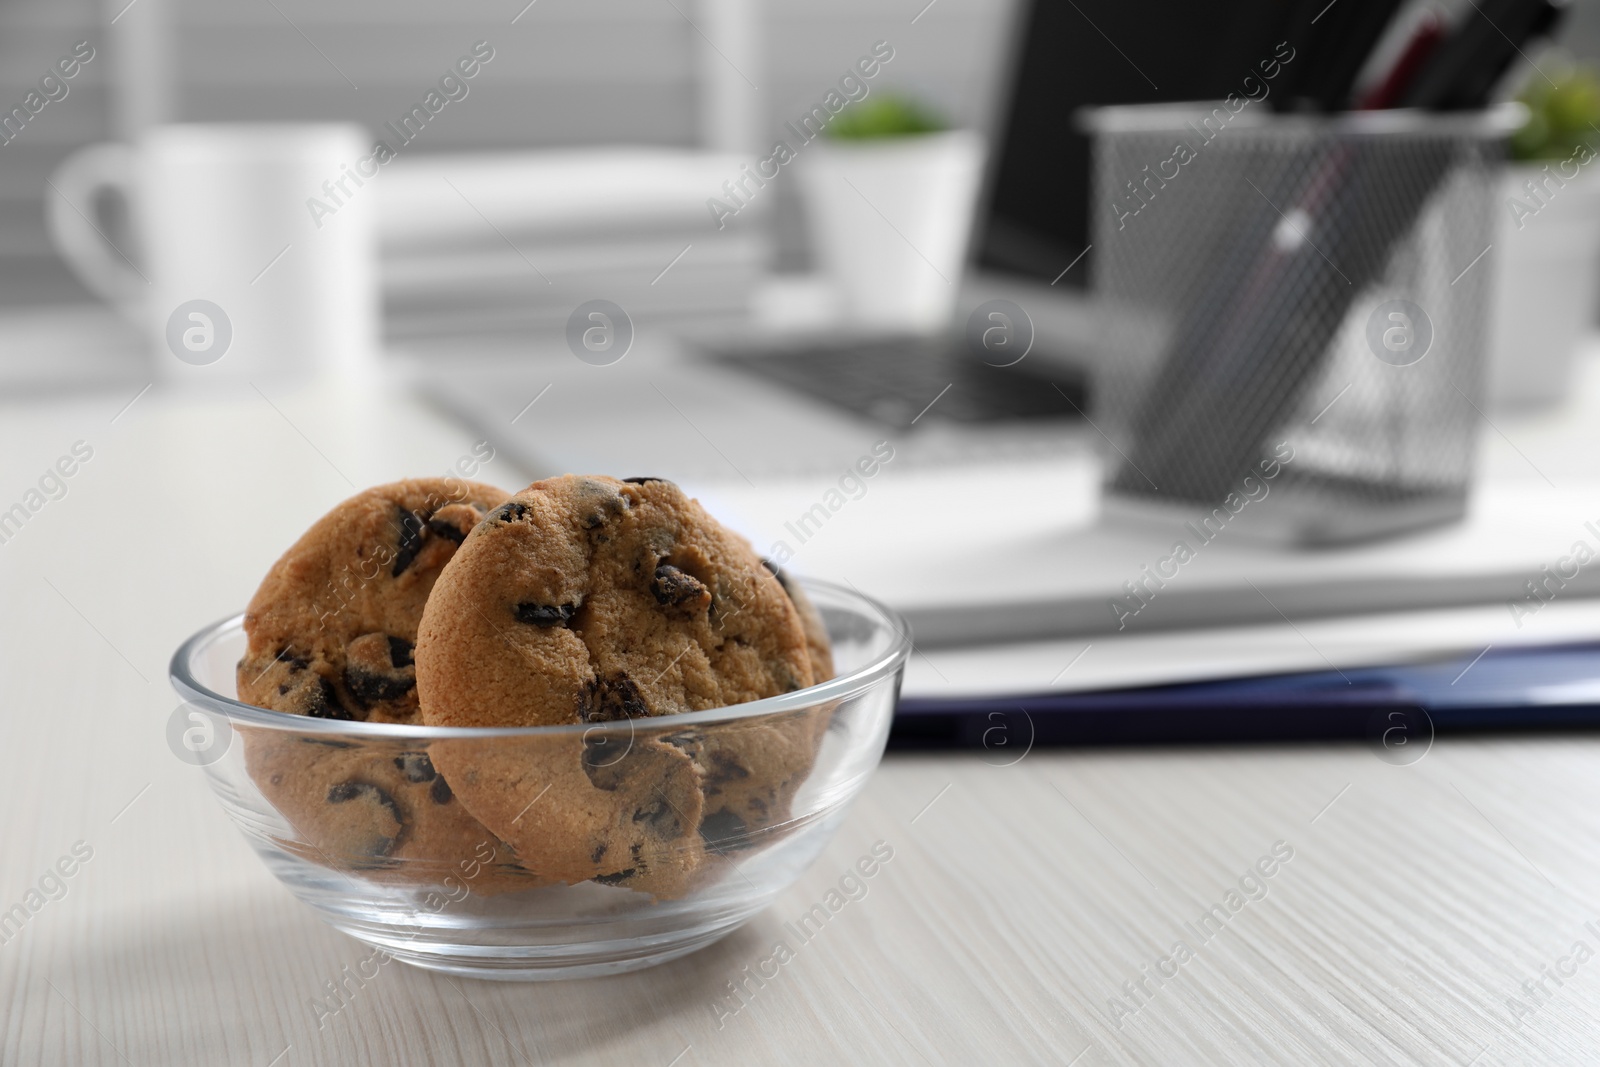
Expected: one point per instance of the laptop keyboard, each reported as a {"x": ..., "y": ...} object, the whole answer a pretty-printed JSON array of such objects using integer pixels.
[{"x": 904, "y": 380}]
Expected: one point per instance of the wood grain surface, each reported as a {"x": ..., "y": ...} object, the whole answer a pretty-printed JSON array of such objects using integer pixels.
[{"x": 1433, "y": 913}]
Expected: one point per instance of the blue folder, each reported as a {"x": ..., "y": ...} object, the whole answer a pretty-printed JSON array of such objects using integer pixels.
[{"x": 1545, "y": 687}]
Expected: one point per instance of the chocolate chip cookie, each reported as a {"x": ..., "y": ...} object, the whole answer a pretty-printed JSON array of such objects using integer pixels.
[
  {"x": 331, "y": 631},
  {"x": 333, "y": 625},
  {"x": 588, "y": 600}
]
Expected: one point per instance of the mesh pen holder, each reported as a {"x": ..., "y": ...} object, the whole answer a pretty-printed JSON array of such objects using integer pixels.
[{"x": 1293, "y": 313}]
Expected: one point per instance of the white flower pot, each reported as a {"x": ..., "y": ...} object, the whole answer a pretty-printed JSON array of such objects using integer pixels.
[
  {"x": 890, "y": 220},
  {"x": 1546, "y": 264}
]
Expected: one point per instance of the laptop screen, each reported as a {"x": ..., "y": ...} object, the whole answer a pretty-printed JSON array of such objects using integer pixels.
[{"x": 1072, "y": 53}]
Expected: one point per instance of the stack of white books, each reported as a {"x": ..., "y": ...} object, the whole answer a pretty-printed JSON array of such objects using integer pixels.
[{"x": 512, "y": 243}]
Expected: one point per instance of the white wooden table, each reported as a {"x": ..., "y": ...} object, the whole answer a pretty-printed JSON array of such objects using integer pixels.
[{"x": 1022, "y": 904}]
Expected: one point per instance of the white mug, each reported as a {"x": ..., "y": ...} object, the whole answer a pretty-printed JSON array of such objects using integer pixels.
[{"x": 233, "y": 276}]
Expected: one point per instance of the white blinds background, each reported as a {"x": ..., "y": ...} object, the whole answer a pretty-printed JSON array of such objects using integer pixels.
[
  {"x": 34, "y": 35},
  {"x": 565, "y": 72}
]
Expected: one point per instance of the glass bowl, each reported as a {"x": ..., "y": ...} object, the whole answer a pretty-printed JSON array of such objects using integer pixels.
[{"x": 357, "y": 819}]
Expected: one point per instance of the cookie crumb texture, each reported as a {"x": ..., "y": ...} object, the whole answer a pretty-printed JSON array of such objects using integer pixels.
[
  {"x": 589, "y": 600},
  {"x": 332, "y": 630}
]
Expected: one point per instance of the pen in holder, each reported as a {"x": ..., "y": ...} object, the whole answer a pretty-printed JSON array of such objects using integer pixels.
[{"x": 1294, "y": 294}]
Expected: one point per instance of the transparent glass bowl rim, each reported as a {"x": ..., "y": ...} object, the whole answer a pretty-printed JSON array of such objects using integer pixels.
[{"x": 841, "y": 687}]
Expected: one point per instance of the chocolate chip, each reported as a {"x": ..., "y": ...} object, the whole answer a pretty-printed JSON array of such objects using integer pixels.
[
  {"x": 545, "y": 615},
  {"x": 688, "y": 741},
  {"x": 600, "y": 850},
  {"x": 640, "y": 479},
  {"x": 510, "y": 511},
  {"x": 724, "y": 829},
  {"x": 675, "y": 588},
  {"x": 660, "y": 819},
  {"x": 379, "y": 807},
  {"x": 724, "y": 768},
  {"x": 611, "y": 699},
  {"x": 409, "y": 541},
  {"x": 603, "y": 763},
  {"x": 378, "y": 668},
  {"x": 400, "y": 652},
  {"x": 441, "y": 791},
  {"x": 615, "y": 879},
  {"x": 416, "y": 766},
  {"x": 447, "y": 530},
  {"x": 321, "y": 701},
  {"x": 454, "y": 521},
  {"x": 369, "y": 689}
]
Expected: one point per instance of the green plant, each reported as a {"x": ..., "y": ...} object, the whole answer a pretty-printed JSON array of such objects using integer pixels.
[
  {"x": 884, "y": 116},
  {"x": 1563, "y": 115}
]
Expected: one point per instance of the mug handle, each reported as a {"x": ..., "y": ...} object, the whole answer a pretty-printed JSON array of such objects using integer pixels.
[{"x": 75, "y": 185}]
